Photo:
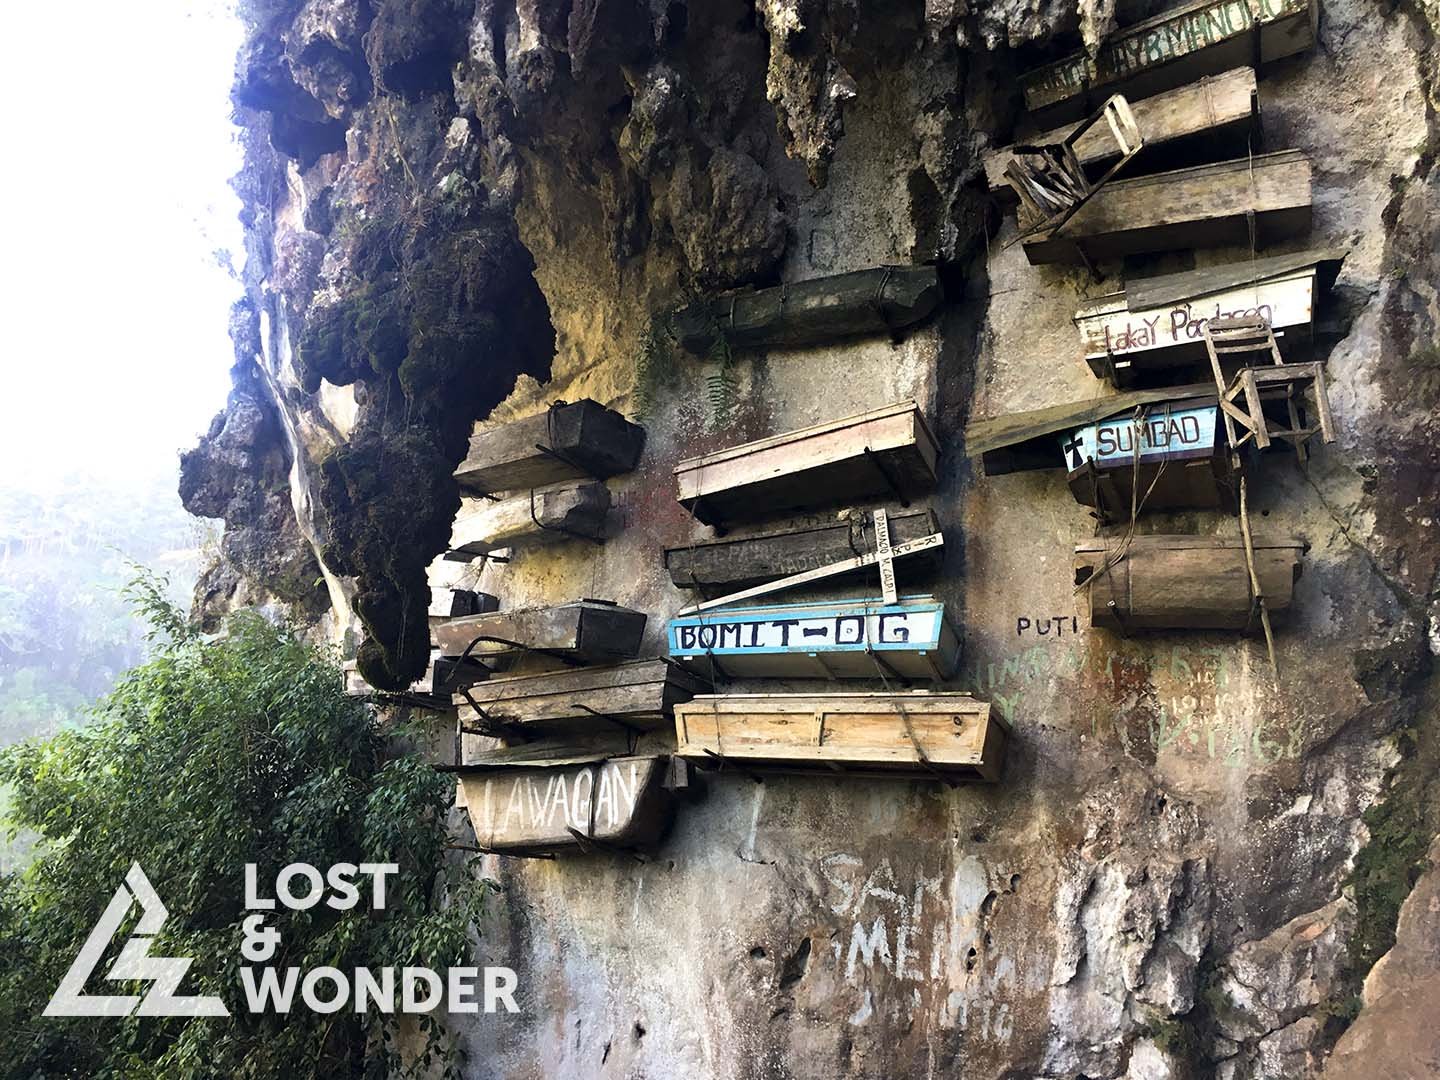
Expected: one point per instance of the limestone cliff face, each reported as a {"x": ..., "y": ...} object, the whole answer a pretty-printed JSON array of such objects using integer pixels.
[{"x": 460, "y": 210}]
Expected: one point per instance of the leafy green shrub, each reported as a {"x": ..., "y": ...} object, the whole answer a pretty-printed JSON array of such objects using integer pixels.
[{"x": 213, "y": 754}]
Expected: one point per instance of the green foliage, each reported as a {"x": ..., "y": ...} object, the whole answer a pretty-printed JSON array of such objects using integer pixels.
[
  {"x": 720, "y": 385},
  {"x": 1385, "y": 871},
  {"x": 213, "y": 754},
  {"x": 654, "y": 365}
]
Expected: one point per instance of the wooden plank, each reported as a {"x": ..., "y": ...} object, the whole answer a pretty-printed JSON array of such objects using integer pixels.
[
  {"x": 861, "y": 639},
  {"x": 1019, "y": 441},
  {"x": 738, "y": 562},
  {"x": 1123, "y": 344},
  {"x": 1217, "y": 113},
  {"x": 622, "y": 802},
  {"x": 884, "y": 733},
  {"x": 1163, "y": 290},
  {"x": 541, "y": 516},
  {"x": 456, "y": 603},
  {"x": 1203, "y": 206},
  {"x": 1170, "y": 49},
  {"x": 1184, "y": 582},
  {"x": 584, "y": 630},
  {"x": 581, "y": 439},
  {"x": 845, "y": 460},
  {"x": 641, "y": 692},
  {"x": 882, "y": 299}
]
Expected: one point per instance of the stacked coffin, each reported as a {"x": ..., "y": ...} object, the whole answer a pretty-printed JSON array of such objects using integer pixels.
[
  {"x": 1204, "y": 363},
  {"x": 890, "y": 639}
]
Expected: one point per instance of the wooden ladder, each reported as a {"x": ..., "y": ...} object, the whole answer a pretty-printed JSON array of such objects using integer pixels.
[{"x": 1262, "y": 373}]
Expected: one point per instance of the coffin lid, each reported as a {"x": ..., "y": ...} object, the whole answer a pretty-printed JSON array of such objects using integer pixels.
[
  {"x": 1011, "y": 443},
  {"x": 1165, "y": 289},
  {"x": 782, "y": 439},
  {"x": 1207, "y": 543}
]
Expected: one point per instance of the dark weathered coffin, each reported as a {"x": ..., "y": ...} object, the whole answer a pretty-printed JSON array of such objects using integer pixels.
[
  {"x": 882, "y": 734},
  {"x": 1185, "y": 582},
  {"x": 1200, "y": 207},
  {"x": 1170, "y": 49},
  {"x": 1213, "y": 116},
  {"x": 540, "y": 516},
  {"x": 879, "y": 300},
  {"x": 716, "y": 565},
  {"x": 432, "y": 690},
  {"x": 586, "y": 630},
  {"x": 1156, "y": 324},
  {"x": 621, "y": 802},
  {"x": 455, "y": 603},
  {"x": 566, "y": 442},
  {"x": 885, "y": 451},
  {"x": 859, "y": 639},
  {"x": 640, "y": 693}
]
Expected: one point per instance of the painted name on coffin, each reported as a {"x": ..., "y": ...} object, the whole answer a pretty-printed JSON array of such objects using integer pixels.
[
  {"x": 775, "y": 634},
  {"x": 1170, "y": 40},
  {"x": 1183, "y": 324},
  {"x": 1174, "y": 433},
  {"x": 530, "y": 803}
]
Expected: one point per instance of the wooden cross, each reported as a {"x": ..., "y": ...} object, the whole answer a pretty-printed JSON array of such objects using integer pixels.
[
  {"x": 913, "y": 547},
  {"x": 885, "y": 557}
]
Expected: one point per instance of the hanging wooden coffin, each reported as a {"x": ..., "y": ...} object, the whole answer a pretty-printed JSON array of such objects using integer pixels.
[
  {"x": 1185, "y": 582},
  {"x": 717, "y": 565},
  {"x": 639, "y": 694},
  {"x": 1214, "y": 115},
  {"x": 588, "y": 630},
  {"x": 1123, "y": 341},
  {"x": 456, "y": 603},
  {"x": 1201, "y": 207},
  {"x": 443, "y": 677},
  {"x": 616, "y": 803},
  {"x": 882, "y": 734},
  {"x": 863, "y": 639},
  {"x": 1171, "y": 49},
  {"x": 889, "y": 451},
  {"x": 1170, "y": 454},
  {"x": 566, "y": 442},
  {"x": 539, "y": 516},
  {"x": 884, "y": 299}
]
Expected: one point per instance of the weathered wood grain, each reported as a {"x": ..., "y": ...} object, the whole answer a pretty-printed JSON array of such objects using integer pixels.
[
  {"x": 1184, "y": 582},
  {"x": 738, "y": 562},
  {"x": 1199, "y": 207},
  {"x": 900, "y": 734},
  {"x": 585, "y": 630},
  {"x": 881, "y": 299},
  {"x": 846, "y": 460},
  {"x": 616, "y": 803},
  {"x": 540, "y": 516},
  {"x": 1217, "y": 113},
  {"x": 641, "y": 693},
  {"x": 1170, "y": 49},
  {"x": 583, "y": 439}
]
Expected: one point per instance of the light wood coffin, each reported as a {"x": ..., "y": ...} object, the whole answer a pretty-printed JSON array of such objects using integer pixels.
[
  {"x": 1200, "y": 207},
  {"x": 735, "y": 563},
  {"x": 586, "y": 630},
  {"x": 539, "y": 516},
  {"x": 616, "y": 803},
  {"x": 862, "y": 639},
  {"x": 1170, "y": 49},
  {"x": 1185, "y": 582},
  {"x": 889, "y": 451},
  {"x": 872, "y": 733},
  {"x": 639, "y": 694},
  {"x": 1214, "y": 115},
  {"x": 566, "y": 442},
  {"x": 1123, "y": 340},
  {"x": 881, "y": 299}
]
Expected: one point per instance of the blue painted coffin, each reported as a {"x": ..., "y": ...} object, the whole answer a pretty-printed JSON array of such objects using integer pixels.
[
  {"x": 860, "y": 639},
  {"x": 1169, "y": 434}
]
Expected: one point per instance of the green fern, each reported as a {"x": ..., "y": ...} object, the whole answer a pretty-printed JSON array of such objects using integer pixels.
[
  {"x": 654, "y": 365},
  {"x": 721, "y": 385}
]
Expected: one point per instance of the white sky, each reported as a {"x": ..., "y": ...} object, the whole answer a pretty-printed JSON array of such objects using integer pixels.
[{"x": 114, "y": 193}]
